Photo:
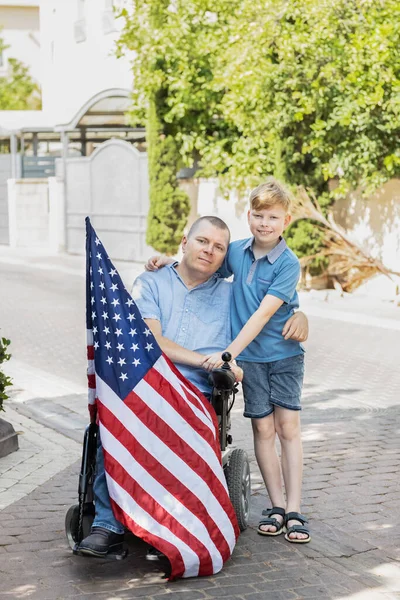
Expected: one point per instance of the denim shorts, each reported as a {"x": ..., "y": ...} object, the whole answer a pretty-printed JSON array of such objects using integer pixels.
[{"x": 274, "y": 383}]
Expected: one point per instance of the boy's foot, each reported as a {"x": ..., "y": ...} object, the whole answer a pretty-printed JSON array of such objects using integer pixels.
[
  {"x": 274, "y": 524},
  {"x": 297, "y": 531}
]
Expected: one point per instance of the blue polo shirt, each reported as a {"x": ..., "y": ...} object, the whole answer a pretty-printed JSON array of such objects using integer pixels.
[
  {"x": 197, "y": 319},
  {"x": 277, "y": 274}
]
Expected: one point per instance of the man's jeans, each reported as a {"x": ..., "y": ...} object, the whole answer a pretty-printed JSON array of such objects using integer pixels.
[{"x": 104, "y": 514}]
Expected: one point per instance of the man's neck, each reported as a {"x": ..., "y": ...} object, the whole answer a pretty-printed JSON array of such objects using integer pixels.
[{"x": 190, "y": 279}]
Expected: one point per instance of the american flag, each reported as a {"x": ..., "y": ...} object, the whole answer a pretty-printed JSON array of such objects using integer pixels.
[{"x": 159, "y": 433}]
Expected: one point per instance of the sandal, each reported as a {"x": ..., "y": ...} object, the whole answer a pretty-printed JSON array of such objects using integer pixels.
[
  {"x": 276, "y": 510},
  {"x": 296, "y": 528}
]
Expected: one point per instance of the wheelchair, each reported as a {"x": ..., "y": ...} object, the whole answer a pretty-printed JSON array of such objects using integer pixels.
[{"x": 79, "y": 517}]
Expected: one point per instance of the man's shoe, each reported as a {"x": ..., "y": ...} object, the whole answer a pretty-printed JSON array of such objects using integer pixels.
[{"x": 100, "y": 542}]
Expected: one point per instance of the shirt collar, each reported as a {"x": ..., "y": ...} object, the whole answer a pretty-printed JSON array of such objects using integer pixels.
[
  {"x": 205, "y": 283},
  {"x": 275, "y": 252}
]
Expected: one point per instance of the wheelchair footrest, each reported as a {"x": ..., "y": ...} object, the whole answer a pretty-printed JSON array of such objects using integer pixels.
[{"x": 119, "y": 554}]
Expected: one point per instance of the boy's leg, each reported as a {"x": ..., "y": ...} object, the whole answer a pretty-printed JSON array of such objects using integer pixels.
[
  {"x": 257, "y": 392},
  {"x": 286, "y": 380},
  {"x": 268, "y": 461},
  {"x": 287, "y": 425}
]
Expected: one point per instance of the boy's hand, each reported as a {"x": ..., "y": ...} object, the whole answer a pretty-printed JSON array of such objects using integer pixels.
[
  {"x": 296, "y": 328},
  {"x": 157, "y": 262},
  {"x": 237, "y": 371}
]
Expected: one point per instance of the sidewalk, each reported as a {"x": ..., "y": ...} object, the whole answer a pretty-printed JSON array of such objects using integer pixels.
[{"x": 351, "y": 446}]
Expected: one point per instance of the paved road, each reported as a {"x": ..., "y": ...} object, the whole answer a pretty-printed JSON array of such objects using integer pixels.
[{"x": 351, "y": 426}]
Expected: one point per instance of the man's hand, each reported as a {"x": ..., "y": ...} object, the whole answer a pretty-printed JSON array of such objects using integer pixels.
[
  {"x": 157, "y": 262},
  {"x": 296, "y": 328},
  {"x": 213, "y": 361}
]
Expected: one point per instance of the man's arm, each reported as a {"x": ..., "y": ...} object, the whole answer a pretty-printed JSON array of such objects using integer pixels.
[
  {"x": 181, "y": 355},
  {"x": 174, "y": 352}
]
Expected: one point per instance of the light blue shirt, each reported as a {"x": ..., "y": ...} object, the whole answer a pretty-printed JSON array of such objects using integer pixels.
[
  {"x": 277, "y": 274},
  {"x": 197, "y": 319}
]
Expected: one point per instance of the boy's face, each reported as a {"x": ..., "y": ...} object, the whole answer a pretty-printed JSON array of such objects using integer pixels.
[{"x": 268, "y": 224}]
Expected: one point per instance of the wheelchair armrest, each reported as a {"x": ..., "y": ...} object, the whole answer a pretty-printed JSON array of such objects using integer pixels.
[{"x": 222, "y": 379}]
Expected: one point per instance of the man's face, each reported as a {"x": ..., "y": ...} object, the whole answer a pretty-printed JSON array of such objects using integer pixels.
[{"x": 204, "y": 251}]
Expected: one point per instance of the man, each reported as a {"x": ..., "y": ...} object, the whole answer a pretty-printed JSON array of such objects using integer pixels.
[{"x": 187, "y": 307}]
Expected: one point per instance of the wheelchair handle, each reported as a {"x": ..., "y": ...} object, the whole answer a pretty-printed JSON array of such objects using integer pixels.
[{"x": 226, "y": 357}]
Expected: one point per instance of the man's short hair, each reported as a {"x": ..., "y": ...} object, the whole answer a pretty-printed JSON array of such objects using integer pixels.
[
  {"x": 269, "y": 193},
  {"x": 215, "y": 221}
]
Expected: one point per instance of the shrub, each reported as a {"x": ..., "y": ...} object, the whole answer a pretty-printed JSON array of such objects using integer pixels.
[{"x": 5, "y": 381}]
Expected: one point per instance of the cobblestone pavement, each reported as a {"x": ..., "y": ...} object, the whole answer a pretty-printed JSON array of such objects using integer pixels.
[{"x": 351, "y": 427}]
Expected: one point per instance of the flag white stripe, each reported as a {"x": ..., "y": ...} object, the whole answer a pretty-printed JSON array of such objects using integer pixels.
[
  {"x": 184, "y": 430},
  {"x": 91, "y": 396},
  {"x": 163, "y": 453},
  {"x": 147, "y": 522},
  {"x": 89, "y": 337},
  {"x": 163, "y": 368},
  {"x": 172, "y": 505},
  {"x": 90, "y": 368}
]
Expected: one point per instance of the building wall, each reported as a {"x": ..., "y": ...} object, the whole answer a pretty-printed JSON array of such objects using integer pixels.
[
  {"x": 19, "y": 27},
  {"x": 374, "y": 222},
  {"x": 77, "y": 44},
  {"x": 28, "y": 208}
]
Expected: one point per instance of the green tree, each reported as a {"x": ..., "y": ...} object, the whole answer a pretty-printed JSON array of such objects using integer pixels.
[
  {"x": 18, "y": 91},
  {"x": 169, "y": 205},
  {"x": 5, "y": 381},
  {"x": 306, "y": 90}
]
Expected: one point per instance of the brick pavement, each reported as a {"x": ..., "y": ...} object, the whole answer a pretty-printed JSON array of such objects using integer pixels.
[{"x": 351, "y": 493}]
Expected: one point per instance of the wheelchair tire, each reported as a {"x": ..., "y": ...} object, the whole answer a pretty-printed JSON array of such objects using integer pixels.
[
  {"x": 72, "y": 523},
  {"x": 237, "y": 475}
]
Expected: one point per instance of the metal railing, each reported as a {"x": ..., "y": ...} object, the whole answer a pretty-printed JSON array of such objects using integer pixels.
[{"x": 36, "y": 167}]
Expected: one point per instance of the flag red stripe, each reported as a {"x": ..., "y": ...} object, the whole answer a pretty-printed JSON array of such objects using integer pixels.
[
  {"x": 175, "y": 557},
  {"x": 90, "y": 352},
  {"x": 170, "y": 395},
  {"x": 204, "y": 404},
  {"x": 92, "y": 412},
  {"x": 92, "y": 380},
  {"x": 151, "y": 506},
  {"x": 182, "y": 449},
  {"x": 176, "y": 488}
]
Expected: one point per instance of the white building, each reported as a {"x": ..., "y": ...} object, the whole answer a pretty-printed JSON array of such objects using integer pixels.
[{"x": 19, "y": 28}]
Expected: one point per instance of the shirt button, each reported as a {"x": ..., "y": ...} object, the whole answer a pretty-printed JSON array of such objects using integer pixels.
[
  {"x": 186, "y": 310},
  {"x": 183, "y": 329}
]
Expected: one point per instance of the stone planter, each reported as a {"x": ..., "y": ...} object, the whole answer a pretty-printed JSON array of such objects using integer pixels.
[{"x": 8, "y": 438}]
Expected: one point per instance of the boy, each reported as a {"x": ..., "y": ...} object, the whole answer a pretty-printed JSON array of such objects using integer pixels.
[{"x": 266, "y": 273}]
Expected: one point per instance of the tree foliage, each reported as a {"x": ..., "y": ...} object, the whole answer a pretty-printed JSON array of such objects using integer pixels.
[
  {"x": 307, "y": 90},
  {"x": 5, "y": 381},
  {"x": 18, "y": 91},
  {"x": 169, "y": 206}
]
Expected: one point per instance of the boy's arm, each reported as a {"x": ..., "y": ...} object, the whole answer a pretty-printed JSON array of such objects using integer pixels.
[
  {"x": 281, "y": 290},
  {"x": 174, "y": 352},
  {"x": 254, "y": 325},
  {"x": 157, "y": 262}
]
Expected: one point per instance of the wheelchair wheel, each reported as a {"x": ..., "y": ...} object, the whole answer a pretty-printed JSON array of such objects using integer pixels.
[
  {"x": 72, "y": 524},
  {"x": 238, "y": 479}
]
